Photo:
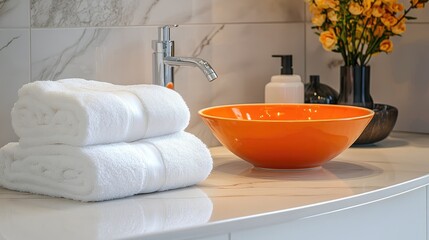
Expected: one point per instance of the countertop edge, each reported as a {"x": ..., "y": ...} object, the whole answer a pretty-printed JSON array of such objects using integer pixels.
[{"x": 286, "y": 215}]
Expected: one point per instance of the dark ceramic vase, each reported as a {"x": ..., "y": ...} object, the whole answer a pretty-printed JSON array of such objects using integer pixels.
[
  {"x": 316, "y": 92},
  {"x": 354, "y": 86},
  {"x": 355, "y": 90}
]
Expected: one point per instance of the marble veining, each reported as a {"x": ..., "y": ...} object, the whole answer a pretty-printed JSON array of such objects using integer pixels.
[
  {"x": 81, "y": 13},
  {"x": 8, "y": 43},
  {"x": 15, "y": 71},
  {"x": 2, "y": 3},
  {"x": 205, "y": 42},
  {"x": 149, "y": 10},
  {"x": 14, "y": 13},
  {"x": 54, "y": 66},
  {"x": 107, "y": 13}
]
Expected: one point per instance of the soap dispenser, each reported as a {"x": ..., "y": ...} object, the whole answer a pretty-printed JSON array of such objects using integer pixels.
[
  {"x": 316, "y": 92},
  {"x": 287, "y": 87}
]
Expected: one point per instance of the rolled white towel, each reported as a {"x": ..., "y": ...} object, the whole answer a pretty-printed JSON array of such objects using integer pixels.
[
  {"x": 102, "y": 172},
  {"x": 81, "y": 112}
]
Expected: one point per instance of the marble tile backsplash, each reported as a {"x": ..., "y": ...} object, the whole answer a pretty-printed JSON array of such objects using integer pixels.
[
  {"x": 14, "y": 13},
  {"x": 110, "y": 40},
  {"x": 15, "y": 72},
  {"x": 109, "y": 13}
]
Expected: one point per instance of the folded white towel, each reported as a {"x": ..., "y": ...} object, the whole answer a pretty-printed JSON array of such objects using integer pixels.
[
  {"x": 80, "y": 112},
  {"x": 102, "y": 172}
]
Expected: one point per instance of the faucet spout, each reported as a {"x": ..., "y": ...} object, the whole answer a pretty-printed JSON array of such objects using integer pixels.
[
  {"x": 164, "y": 60},
  {"x": 203, "y": 65}
]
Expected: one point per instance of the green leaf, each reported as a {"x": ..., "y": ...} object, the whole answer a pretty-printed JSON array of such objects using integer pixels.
[{"x": 410, "y": 18}]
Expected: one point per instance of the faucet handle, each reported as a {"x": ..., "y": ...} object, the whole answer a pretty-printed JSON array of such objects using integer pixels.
[{"x": 164, "y": 32}]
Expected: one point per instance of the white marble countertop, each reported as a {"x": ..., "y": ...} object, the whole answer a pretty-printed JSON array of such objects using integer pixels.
[{"x": 233, "y": 197}]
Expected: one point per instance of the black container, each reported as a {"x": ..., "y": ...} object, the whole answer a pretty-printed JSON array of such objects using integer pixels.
[
  {"x": 316, "y": 92},
  {"x": 380, "y": 126},
  {"x": 354, "y": 86}
]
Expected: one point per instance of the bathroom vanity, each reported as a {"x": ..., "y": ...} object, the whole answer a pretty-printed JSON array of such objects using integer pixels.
[{"x": 372, "y": 192}]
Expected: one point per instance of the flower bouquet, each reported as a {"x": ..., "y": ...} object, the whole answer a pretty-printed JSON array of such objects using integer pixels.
[{"x": 358, "y": 30}]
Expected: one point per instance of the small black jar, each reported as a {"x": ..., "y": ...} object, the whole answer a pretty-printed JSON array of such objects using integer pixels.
[{"x": 316, "y": 92}]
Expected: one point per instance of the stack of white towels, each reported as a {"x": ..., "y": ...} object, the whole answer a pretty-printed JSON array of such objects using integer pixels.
[{"x": 93, "y": 141}]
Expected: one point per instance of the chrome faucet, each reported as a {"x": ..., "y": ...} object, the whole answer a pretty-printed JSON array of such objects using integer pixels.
[{"x": 164, "y": 60}]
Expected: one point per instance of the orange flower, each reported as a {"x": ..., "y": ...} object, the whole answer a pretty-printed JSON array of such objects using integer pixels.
[
  {"x": 397, "y": 7},
  {"x": 377, "y": 3},
  {"x": 359, "y": 29},
  {"x": 378, "y": 11},
  {"x": 399, "y": 28},
  {"x": 321, "y": 4},
  {"x": 355, "y": 8},
  {"x": 314, "y": 9},
  {"x": 417, "y": 4},
  {"x": 333, "y": 3},
  {"x": 328, "y": 40},
  {"x": 318, "y": 19},
  {"x": 389, "y": 2},
  {"x": 386, "y": 46},
  {"x": 325, "y": 4},
  {"x": 367, "y": 5},
  {"x": 333, "y": 16},
  {"x": 388, "y": 20}
]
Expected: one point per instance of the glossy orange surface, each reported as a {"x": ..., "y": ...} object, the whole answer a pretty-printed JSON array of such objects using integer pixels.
[{"x": 286, "y": 136}]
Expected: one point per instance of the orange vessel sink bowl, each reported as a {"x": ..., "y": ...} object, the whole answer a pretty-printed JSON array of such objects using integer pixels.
[{"x": 286, "y": 136}]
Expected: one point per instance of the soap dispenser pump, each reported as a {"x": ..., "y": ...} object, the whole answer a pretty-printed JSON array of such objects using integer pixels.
[{"x": 286, "y": 87}]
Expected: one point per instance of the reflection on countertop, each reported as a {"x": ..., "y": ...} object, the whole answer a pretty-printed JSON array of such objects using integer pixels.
[{"x": 28, "y": 216}]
